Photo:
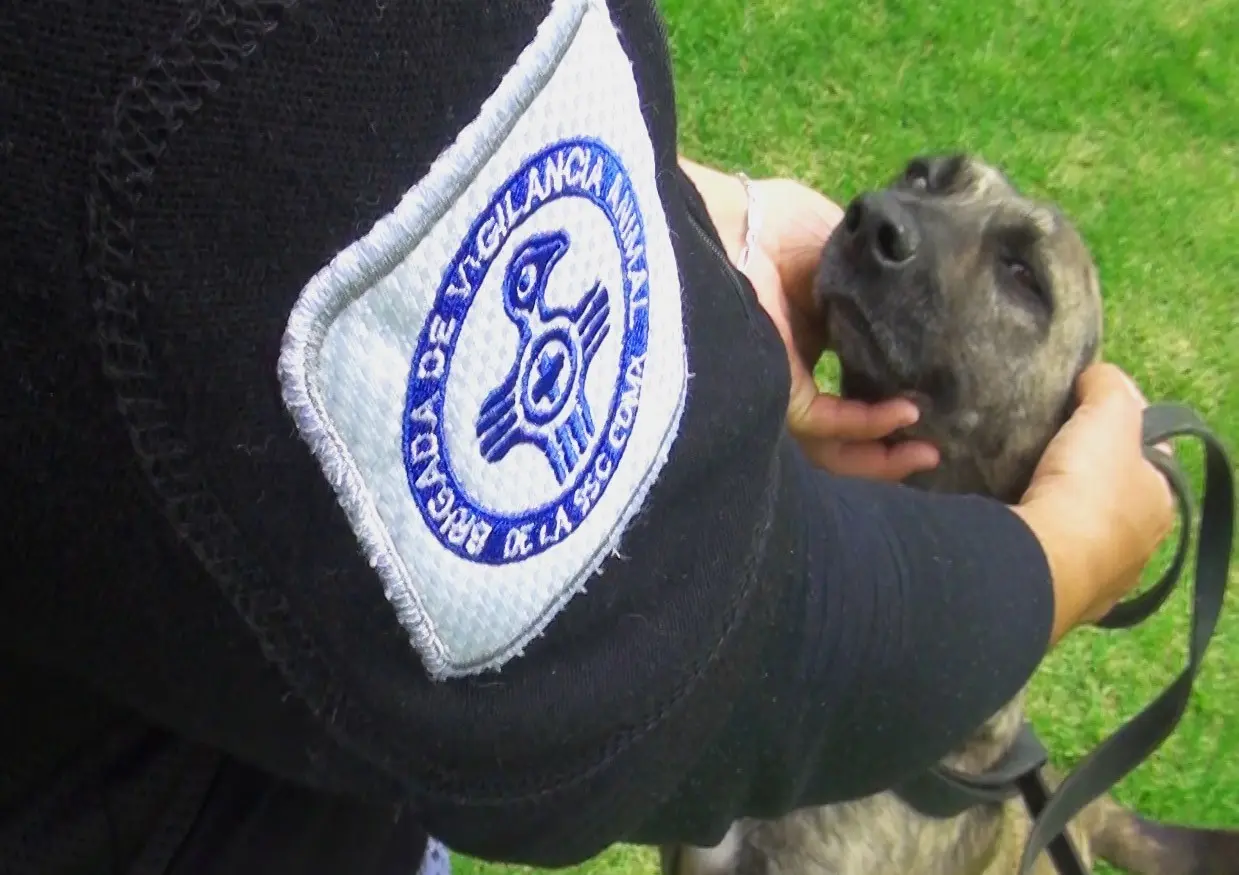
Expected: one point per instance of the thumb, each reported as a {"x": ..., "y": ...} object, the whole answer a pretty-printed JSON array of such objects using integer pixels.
[{"x": 1103, "y": 380}]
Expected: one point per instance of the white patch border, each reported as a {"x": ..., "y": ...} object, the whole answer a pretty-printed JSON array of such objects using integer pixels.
[{"x": 353, "y": 271}]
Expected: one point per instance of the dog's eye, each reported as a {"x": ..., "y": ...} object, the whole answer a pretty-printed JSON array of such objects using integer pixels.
[
  {"x": 917, "y": 176},
  {"x": 1024, "y": 279},
  {"x": 940, "y": 175}
]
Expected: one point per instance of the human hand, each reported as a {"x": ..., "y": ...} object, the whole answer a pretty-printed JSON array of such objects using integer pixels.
[
  {"x": 842, "y": 436},
  {"x": 1098, "y": 507}
]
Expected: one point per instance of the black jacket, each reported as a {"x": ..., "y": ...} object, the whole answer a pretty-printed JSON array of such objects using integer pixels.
[{"x": 201, "y": 671}]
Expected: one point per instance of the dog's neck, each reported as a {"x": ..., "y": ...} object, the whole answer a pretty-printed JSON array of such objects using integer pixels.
[
  {"x": 998, "y": 464},
  {"x": 959, "y": 474}
]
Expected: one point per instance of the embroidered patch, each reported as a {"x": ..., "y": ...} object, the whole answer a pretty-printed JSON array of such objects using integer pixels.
[
  {"x": 493, "y": 376},
  {"x": 488, "y": 497}
]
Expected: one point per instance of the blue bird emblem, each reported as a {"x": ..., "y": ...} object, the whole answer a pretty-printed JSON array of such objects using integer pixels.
[{"x": 542, "y": 399}]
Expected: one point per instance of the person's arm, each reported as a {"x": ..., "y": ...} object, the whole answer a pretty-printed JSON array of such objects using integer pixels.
[
  {"x": 181, "y": 549},
  {"x": 904, "y": 620}
]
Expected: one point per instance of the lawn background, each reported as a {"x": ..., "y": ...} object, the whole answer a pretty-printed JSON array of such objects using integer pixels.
[{"x": 1124, "y": 111}]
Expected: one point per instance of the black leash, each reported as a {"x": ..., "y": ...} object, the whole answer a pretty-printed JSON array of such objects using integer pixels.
[{"x": 943, "y": 792}]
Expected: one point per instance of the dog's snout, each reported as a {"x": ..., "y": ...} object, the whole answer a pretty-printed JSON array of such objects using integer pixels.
[{"x": 881, "y": 229}]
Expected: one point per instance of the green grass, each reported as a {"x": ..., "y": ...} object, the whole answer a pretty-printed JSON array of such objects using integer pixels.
[{"x": 1124, "y": 111}]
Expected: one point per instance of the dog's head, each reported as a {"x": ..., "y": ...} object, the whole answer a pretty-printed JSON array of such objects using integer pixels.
[{"x": 952, "y": 288}]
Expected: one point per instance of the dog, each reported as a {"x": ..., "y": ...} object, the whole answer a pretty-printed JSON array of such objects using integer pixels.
[{"x": 952, "y": 288}]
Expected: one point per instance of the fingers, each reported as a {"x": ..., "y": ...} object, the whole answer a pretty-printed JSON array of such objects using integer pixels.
[
  {"x": 872, "y": 459},
  {"x": 1165, "y": 446},
  {"x": 1103, "y": 383},
  {"x": 845, "y": 437},
  {"x": 1107, "y": 384},
  {"x": 828, "y": 417}
]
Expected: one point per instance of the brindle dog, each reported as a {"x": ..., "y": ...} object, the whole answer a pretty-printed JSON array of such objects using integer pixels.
[{"x": 952, "y": 288}]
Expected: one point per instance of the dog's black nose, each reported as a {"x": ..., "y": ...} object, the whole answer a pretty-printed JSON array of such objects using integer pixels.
[{"x": 881, "y": 228}]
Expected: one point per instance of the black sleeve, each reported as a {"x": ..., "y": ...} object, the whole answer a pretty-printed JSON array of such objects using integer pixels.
[
  {"x": 904, "y": 620},
  {"x": 769, "y": 636},
  {"x": 925, "y": 615}
]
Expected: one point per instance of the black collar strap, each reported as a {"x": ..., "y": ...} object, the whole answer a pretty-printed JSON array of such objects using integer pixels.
[{"x": 943, "y": 792}]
